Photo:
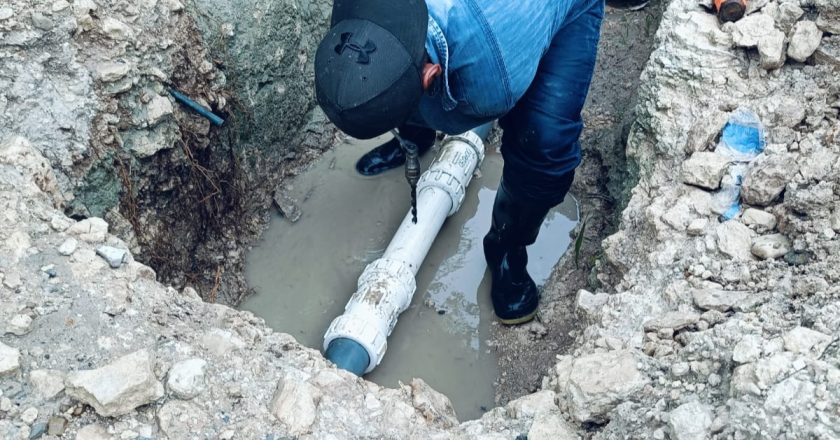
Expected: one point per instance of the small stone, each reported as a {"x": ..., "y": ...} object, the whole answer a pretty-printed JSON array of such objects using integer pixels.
[
  {"x": 6, "y": 13},
  {"x": 38, "y": 429},
  {"x": 697, "y": 226},
  {"x": 119, "y": 387},
  {"x": 704, "y": 169},
  {"x": 181, "y": 419},
  {"x": 116, "y": 29},
  {"x": 110, "y": 72},
  {"x": 60, "y": 5},
  {"x": 186, "y": 378},
  {"x": 829, "y": 51},
  {"x": 804, "y": 41},
  {"x": 762, "y": 220},
  {"x": 91, "y": 229},
  {"x": 295, "y": 404},
  {"x": 93, "y": 432},
  {"x": 551, "y": 426},
  {"x": 220, "y": 342},
  {"x": 829, "y": 22},
  {"x": 114, "y": 256},
  {"x": 287, "y": 206},
  {"x": 57, "y": 426},
  {"x": 29, "y": 415},
  {"x": 770, "y": 246},
  {"x": 723, "y": 301},
  {"x": 676, "y": 320},
  {"x": 771, "y": 50},
  {"x": 735, "y": 240},
  {"x": 803, "y": 340},
  {"x": 19, "y": 325},
  {"x": 786, "y": 15},
  {"x": 835, "y": 220},
  {"x": 158, "y": 108},
  {"x": 665, "y": 333},
  {"x": 702, "y": 134},
  {"x": 42, "y": 22},
  {"x": 690, "y": 421},
  {"x": 679, "y": 369},
  {"x": 713, "y": 380},
  {"x": 748, "y": 31},
  {"x": 748, "y": 349},
  {"x": 47, "y": 383},
  {"x": 588, "y": 305},
  {"x": 9, "y": 360},
  {"x": 68, "y": 247},
  {"x": 599, "y": 382},
  {"x": 12, "y": 280},
  {"x": 766, "y": 179}
]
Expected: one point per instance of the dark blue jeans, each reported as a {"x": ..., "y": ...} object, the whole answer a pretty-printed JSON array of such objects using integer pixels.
[{"x": 540, "y": 143}]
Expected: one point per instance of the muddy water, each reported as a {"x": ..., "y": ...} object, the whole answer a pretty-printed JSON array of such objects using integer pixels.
[{"x": 304, "y": 272}]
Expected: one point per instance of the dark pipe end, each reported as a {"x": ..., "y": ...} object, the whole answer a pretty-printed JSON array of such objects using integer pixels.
[{"x": 349, "y": 355}]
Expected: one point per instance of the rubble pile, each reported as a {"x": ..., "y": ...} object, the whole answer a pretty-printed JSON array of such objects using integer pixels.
[{"x": 700, "y": 327}]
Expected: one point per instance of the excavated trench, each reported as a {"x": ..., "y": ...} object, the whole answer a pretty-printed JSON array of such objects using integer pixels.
[{"x": 192, "y": 211}]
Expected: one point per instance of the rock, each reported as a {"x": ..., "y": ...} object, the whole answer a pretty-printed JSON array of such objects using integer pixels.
[
  {"x": 735, "y": 240},
  {"x": 551, "y": 426},
  {"x": 287, "y": 206},
  {"x": 6, "y": 13},
  {"x": 221, "y": 342},
  {"x": 68, "y": 247},
  {"x": 9, "y": 360},
  {"x": 181, "y": 419},
  {"x": 770, "y": 246},
  {"x": 724, "y": 301},
  {"x": 829, "y": 22},
  {"x": 787, "y": 14},
  {"x": 702, "y": 134},
  {"x": 762, "y": 220},
  {"x": 41, "y": 21},
  {"x": 704, "y": 169},
  {"x": 766, "y": 179},
  {"x": 676, "y": 320},
  {"x": 47, "y": 383},
  {"x": 599, "y": 382},
  {"x": 116, "y": 29},
  {"x": 146, "y": 143},
  {"x": 790, "y": 396},
  {"x": 158, "y": 108},
  {"x": 679, "y": 369},
  {"x": 57, "y": 426},
  {"x": 789, "y": 112},
  {"x": 804, "y": 41},
  {"x": 748, "y": 31},
  {"x": 434, "y": 406},
  {"x": 38, "y": 429},
  {"x": 29, "y": 415},
  {"x": 748, "y": 349},
  {"x": 91, "y": 230},
  {"x": 771, "y": 50},
  {"x": 119, "y": 387},
  {"x": 588, "y": 305},
  {"x": 803, "y": 340},
  {"x": 111, "y": 72},
  {"x": 835, "y": 219},
  {"x": 829, "y": 51},
  {"x": 755, "y": 6},
  {"x": 19, "y": 325},
  {"x": 697, "y": 226},
  {"x": 93, "y": 432},
  {"x": 690, "y": 421},
  {"x": 533, "y": 404},
  {"x": 114, "y": 256},
  {"x": 295, "y": 405},
  {"x": 186, "y": 378}
]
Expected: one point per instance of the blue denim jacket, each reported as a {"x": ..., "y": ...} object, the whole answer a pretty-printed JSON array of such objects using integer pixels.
[{"x": 489, "y": 51}]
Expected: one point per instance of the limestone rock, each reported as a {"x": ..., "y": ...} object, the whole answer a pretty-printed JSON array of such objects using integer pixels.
[
  {"x": 598, "y": 382},
  {"x": 186, "y": 378},
  {"x": 724, "y": 301},
  {"x": 804, "y": 41},
  {"x": 748, "y": 349},
  {"x": 828, "y": 52},
  {"x": 295, "y": 405},
  {"x": 146, "y": 143},
  {"x": 786, "y": 15},
  {"x": 789, "y": 111},
  {"x": 533, "y": 404},
  {"x": 47, "y": 383},
  {"x": 181, "y": 419},
  {"x": 748, "y": 31},
  {"x": 835, "y": 219},
  {"x": 220, "y": 342},
  {"x": 116, "y": 29},
  {"x": 111, "y": 72},
  {"x": 9, "y": 360},
  {"x": 19, "y": 325},
  {"x": 734, "y": 239},
  {"x": 771, "y": 50},
  {"x": 434, "y": 406},
  {"x": 29, "y": 415},
  {"x": 158, "y": 108},
  {"x": 68, "y": 247},
  {"x": 690, "y": 421},
  {"x": 93, "y": 432},
  {"x": 697, "y": 226},
  {"x": 704, "y": 131},
  {"x": 119, "y": 387},
  {"x": 114, "y": 256},
  {"x": 762, "y": 220},
  {"x": 676, "y": 320},
  {"x": 287, "y": 206},
  {"x": 92, "y": 229},
  {"x": 704, "y": 169},
  {"x": 829, "y": 22},
  {"x": 766, "y": 179},
  {"x": 588, "y": 305},
  {"x": 803, "y": 340},
  {"x": 551, "y": 426},
  {"x": 770, "y": 246},
  {"x": 6, "y": 13}
]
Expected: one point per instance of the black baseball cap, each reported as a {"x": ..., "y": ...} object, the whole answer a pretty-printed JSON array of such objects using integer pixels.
[{"x": 368, "y": 67}]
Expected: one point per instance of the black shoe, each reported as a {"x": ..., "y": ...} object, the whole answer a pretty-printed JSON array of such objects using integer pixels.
[
  {"x": 390, "y": 155},
  {"x": 515, "y": 225}
]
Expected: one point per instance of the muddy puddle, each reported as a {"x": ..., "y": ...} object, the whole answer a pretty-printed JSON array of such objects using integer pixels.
[{"x": 304, "y": 272}]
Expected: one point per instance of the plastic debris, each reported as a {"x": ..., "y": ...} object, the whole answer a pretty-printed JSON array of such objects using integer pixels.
[{"x": 741, "y": 140}]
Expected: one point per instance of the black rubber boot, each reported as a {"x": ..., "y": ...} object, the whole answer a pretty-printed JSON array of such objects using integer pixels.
[
  {"x": 515, "y": 225},
  {"x": 390, "y": 155}
]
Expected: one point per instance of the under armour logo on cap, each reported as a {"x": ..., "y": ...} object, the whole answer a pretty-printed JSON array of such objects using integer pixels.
[{"x": 363, "y": 51}]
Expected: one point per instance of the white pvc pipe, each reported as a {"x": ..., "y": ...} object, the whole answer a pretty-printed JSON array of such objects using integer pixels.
[{"x": 387, "y": 285}]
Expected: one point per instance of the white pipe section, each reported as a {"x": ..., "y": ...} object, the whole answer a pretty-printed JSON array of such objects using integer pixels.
[{"x": 387, "y": 285}]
